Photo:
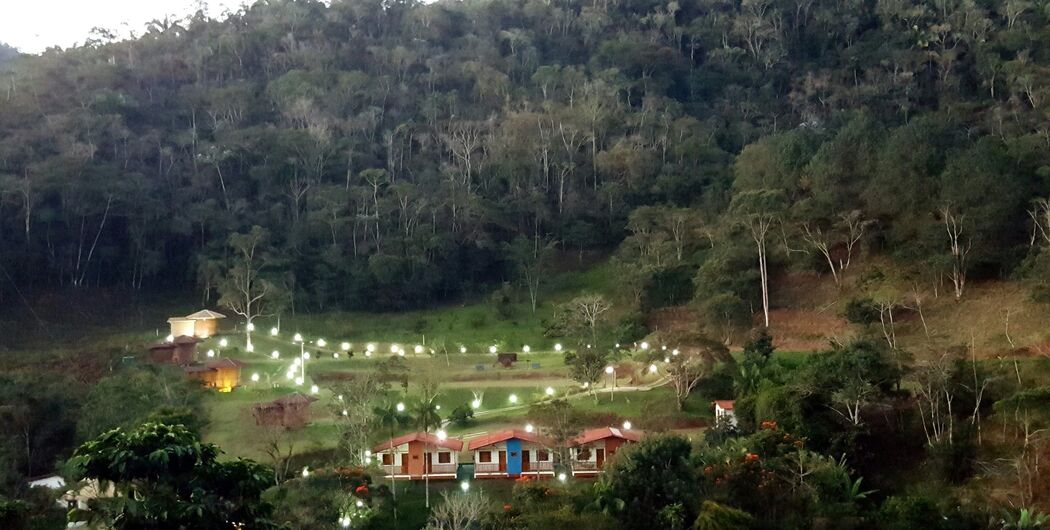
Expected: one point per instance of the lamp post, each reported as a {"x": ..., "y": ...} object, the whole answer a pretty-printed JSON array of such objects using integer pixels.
[
  {"x": 302, "y": 355},
  {"x": 612, "y": 375}
]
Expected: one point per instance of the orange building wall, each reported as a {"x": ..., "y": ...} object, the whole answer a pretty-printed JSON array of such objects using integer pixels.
[{"x": 415, "y": 458}]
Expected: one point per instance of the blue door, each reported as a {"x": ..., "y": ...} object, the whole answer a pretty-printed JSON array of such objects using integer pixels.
[{"x": 514, "y": 457}]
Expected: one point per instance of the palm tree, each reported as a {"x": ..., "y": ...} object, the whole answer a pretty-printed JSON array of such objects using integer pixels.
[
  {"x": 389, "y": 417},
  {"x": 426, "y": 413}
]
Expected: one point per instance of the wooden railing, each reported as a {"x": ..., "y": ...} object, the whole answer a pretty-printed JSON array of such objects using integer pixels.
[
  {"x": 584, "y": 465},
  {"x": 443, "y": 468},
  {"x": 541, "y": 466},
  {"x": 488, "y": 467}
]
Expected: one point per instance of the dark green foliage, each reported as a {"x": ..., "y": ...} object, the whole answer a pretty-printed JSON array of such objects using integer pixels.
[
  {"x": 631, "y": 328},
  {"x": 167, "y": 478},
  {"x": 861, "y": 311},
  {"x": 462, "y": 416},
  {"x": 129, "y": 397},
  {"x": 650, "y": 476}
]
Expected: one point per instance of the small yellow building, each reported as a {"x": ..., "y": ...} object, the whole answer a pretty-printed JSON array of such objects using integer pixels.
[{"x": 202, "y": 324}]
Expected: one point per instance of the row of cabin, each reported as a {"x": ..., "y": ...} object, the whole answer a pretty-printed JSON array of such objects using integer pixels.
[
  {"x": 223, "y": 374},
  {"x": 202, "y": 324},
  {"x": 506, "y": 454}
]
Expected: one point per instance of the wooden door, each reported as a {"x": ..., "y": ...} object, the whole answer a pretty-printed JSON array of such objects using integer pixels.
[
  {"x": 525, "y": 461},
  {"x": 428, "y": 463},
  {"x": 503, "y": 461},
  {"x": 599, "y": 455},
  {"x": 404, "y": 464}
]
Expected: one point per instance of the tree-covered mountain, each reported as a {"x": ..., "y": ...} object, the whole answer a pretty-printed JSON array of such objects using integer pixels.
[{"x": 393, "y": 152}]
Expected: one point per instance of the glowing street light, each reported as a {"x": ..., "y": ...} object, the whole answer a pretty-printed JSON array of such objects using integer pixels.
[
  {"x": 345, "y": 346},
  {"x": 526, "y": 348},
  {"x": 306, "y": 356},
  {"x": 223, "y": 343},
  {"x": 627, "y": 425},
  {"x": 274, "y": 332},
  {"x": 298, "y": 381},
  {"x": 169, "y": 338},
  {"x": 557, "y": 347},
  {"x": 370, "y": 347},
  {"x": 360, "y": 503},
  {"x": 475, "y": 404},
  {"x": 296, "y": 361},
  {"x": 465, "y": 486},
  {"x": 306, "y": 472},
  {"x": 549, "y": 391},
  {"x": 609, "y": 370},
  {"x": 442, "y": 435},
  {"x": 275, "y": 355},
  {"x": 255, "y": 377},
  {"x": 418, "y": 349},
  {"x": 400, "y": 407},
  {"x": 251, "y": 327},
  {"x": 462, "y": 349},
  {"x": 667, "y": 359},
  {"x": 339, "y": 397},
  {"x": 211, "y": 353},
  {"x": 612, "y": 375},
  {"x": 529, "y": 427},
  {"x": 394, "y": 348},
  {"x": 513, "y": 398},
  {"x": 314, "y": 389},
  {"x": 298, "y": 337},
  {"x": 290, "y": 375},
  {"x": 249, "y": 347},
  {"x": 321, "y": 343},
  {"x": 674, "y": 351},
  {"x": 335, "y": 355},
  {"x": 645, "y": 345},
  {"x": 400, "y": 352},
  {"x": 652, "y": 368},
  {"x": 664, "y": 347},
  {"x": 562, "y": 477},
  {"x": 492, "y": 349}
]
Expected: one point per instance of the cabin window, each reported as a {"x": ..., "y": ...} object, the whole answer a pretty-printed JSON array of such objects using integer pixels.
[
  {"x": 485, "y": 456},
  {"x": 542, "y": 456},
  {"x": 444, "y": 458},
  {"x": 583, "y": 453},
  {"x": 388, "y": 459}
]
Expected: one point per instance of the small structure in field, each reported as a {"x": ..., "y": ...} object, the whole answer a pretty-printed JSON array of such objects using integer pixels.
[
  {"x": 419, "y": 455},
  {"x": 506, "y": 360},
  {"x": 590, "y": 450},
  {"x": 181, "y": 350},
  {"x": 511, "y": 453},
  {"x": 724, "y": 411},
  {"x": 202, "y": 324},
  {"x": 291, "y": 411},
  {"x": 223, "y": 375}
]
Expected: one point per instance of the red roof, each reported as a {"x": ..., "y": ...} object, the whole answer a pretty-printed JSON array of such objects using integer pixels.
[
  {"x": 726, "y": 404},
  {"x": 502, "y": 436},
  {"x": 226, "y": 362},
  {"x": 186, "y": 339},
  {"x": 593, "y": 435},
  {"x": 425, "y": 437}
]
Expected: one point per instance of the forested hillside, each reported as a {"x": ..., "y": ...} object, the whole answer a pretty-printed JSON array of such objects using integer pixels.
[{"x": 400, "y": 154}]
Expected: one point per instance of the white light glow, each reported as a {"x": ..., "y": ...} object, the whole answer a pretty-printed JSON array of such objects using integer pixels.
[
  {"x": 249, "y": 347},
  {"x": 314, "y": 389},
  {"x": 513, "y": 398},
  {"x": 652, "y": 368},
  {"x": 169, "y": 338},
  {"x": 370, "y": 347},
  {"x": 298, "y": 381},
  {"x": 475, "y": 404},
  {"x": 609, "y": 370},
  {"x": 251, "y": 327},
  {"x": 557, "y": 347},
  {"x": 211, "y": 353},
  {"x": 418, "y": 349},
  {"x": 224, "y": 343},
  {"x": 306, "y": 356},
  {"x": 465, "y": 486},
  {"x": 321, "y": 343},
  {"x": 492, "y": 349},
  {"x": 645, "y": 345},
  {"x": 529, "y": 427},
  {"x": 462, "y": 349},
  {"x": 626, "y": 425},
  {"x": 345, "y": 346},
  {"x": 394, "y": 348},
  {"x": 562, "y": 477},
  {"x": 255, "y": 377},
  {"x": 674, "y": 351},
  {"x": 549, "y": 391},
  {"x": 400, "y": 407},
  {"x": 442, "y": 435},
  {"x": 275, "y": 355},
  {"x": 274, "y": 332},
  {"x": 298, "y": 337},
  {"x": 306, "y": 472}
]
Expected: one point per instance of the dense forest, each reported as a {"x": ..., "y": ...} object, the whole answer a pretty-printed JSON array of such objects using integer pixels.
[{"x": 397, "y": 154}]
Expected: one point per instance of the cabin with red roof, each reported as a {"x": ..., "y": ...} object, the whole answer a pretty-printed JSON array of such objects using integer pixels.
[
  {"x": 419, "y": 455},
  {"x": 724, "y": 411},
  {"x": 223, "y": 375},
  {"x": 511, "y": 453},
  {"x": 181, "y": 350},
  {"x": 589, "y": 451},
  {"x": 291, "y": 411}
]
